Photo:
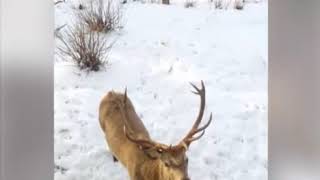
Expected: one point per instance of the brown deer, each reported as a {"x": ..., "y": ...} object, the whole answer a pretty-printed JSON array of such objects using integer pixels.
[{"x": 130, "y": 142}]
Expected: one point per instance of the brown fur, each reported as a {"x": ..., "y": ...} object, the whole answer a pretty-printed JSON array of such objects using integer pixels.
[{"x": 142, "y": 164}]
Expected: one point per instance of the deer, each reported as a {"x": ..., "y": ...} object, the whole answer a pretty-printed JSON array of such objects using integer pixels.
[{"x": 130, "y": 142}]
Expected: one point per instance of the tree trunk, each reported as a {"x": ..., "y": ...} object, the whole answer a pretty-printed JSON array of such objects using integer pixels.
[{"x": 165, "y": 1}]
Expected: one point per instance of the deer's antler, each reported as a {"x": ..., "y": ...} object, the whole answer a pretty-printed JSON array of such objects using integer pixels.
[
  {"x": 187, "y": 140},
  {"x": 190, "y": 137},
  {"x": 144, "y": 143}
]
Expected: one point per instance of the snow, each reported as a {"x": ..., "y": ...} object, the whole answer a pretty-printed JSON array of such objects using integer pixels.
[{"x": 159, "y": 50}]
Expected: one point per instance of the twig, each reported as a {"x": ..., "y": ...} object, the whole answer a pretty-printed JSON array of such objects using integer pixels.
[
  {"x": 57, "y": 2},
  {"x": 56, "y": 31}
]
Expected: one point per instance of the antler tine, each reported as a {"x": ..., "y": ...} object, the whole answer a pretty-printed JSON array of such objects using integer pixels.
[
  {"x": 195, "y": 128},
  {"x": 125, "y": 95},
  {"x": 199, "y": 130},
  {"x": 123, "y": 108},
  {"x": 197, "y": 137},
  {"x": 198, "y": 91},
  {"x": 204, "y": 126},
  {"x": 202, "y": 93},
  {"x": 141, "y": 142},
  {"x": 196, "y": 88}
]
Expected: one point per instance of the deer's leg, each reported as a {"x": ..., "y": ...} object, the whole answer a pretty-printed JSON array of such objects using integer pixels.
[{"x": 114, "y": 159}]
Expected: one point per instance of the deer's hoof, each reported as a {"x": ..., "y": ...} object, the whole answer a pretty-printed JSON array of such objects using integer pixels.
[{"x": 114, "y": 159}]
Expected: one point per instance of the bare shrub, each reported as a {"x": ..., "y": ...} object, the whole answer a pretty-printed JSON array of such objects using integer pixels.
[
  {"x": 218, "y": 4},
  {"x": 101, "y": 16},
  {"x": 239, "y": 4},
  {"x": 189, "y": 4},
  {"x": 87, "y": 49}
]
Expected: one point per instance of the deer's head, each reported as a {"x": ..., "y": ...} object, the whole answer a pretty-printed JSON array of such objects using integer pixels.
[{"x": 172, "y": 159}]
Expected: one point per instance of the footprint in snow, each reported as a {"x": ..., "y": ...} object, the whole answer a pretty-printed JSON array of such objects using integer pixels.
[
  {"x": 143, "y": 81},
  {"x": 246, "y": 115},
  {"x": 67, "y": 137},
  {"x": 63, "y": 130},
  {"x": 170, "y": 69},
  {"x": 83, "y": 123},
  {"x": 75, "y": 101},
  {"x": 207, "y": 161},
  {"x": 139, "y": 88},
  {"x": 164, "y": 43},
  {"x": 76, "y": 111},
  {"x": 90, "y": 115},
  {"x": 61, "y": 169},
  {"x": 191, "y": 44}
]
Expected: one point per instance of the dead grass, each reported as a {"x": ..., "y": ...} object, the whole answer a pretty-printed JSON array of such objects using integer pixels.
[
  {"x": 101, "y": 16},
  {"x": 189, "y": 4},
  {"x": 239, "y": 4}
]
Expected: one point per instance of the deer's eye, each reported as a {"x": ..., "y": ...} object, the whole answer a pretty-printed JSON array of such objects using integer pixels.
[
  {"x": 166, "y": 164},
  {"x": 160, "y": 150}
]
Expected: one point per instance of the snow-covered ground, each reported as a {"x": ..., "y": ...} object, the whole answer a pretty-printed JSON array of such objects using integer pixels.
[{"x": 159, "y": 50}]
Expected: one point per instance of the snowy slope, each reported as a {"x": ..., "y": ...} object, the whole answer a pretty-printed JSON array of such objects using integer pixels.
[{"x": 159, "y": 51}]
